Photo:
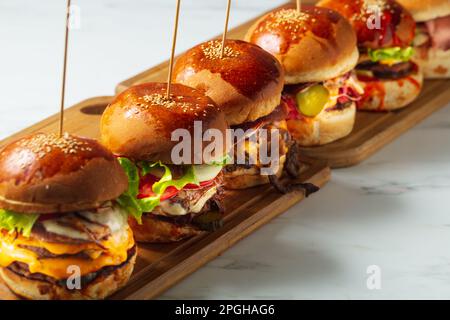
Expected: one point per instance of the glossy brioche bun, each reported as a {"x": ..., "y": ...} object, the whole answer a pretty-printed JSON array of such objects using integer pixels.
[
  {"x": 44, "y": 173},
  {"x": 388, "y": 95},
  {"x": 424, "y": 10},
  {"x": 326, "y": 127},
  {"x": 434, "y": 62},
  {"x": 139, "y": 122},
  {"x": 155, "y": 230},
  {"x": 247, "y": 178},
  {"x": 246, "y": 84},
  {"x": 397, "y": 21},
  {"x": 100, "y": 288},
  {"x": 315, "y": 45}
]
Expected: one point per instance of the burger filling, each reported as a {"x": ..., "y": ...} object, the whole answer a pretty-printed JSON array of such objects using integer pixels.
[
  {"x": 248, "y": 147},
  {"x": 432, "y": 34},
  {"x": 47, "y": 246},
  {"x": 387, "y": 64},
  {"x": 178, "y": 193},
  {"x": 308, "y": 100}
]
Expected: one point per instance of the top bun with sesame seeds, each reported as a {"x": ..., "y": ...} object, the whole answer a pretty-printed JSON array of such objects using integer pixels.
[
  {"x": 378, "y": 23},
  {"x": 44, "y": 173},
  {"x": 315, "y": 44},
  {"x": 139, "y": 123},
  {"x": 246, "y": 82}
]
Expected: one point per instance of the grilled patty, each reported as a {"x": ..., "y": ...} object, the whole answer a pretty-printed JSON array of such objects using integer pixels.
[
  {"x": 21, "y": 269},
  {"x": 383, "y": 71}
]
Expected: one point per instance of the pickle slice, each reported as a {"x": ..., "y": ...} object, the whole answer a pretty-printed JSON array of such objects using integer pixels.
[
  {"x": 209, "y": 221},
  {"x": 312, "y": 101}
]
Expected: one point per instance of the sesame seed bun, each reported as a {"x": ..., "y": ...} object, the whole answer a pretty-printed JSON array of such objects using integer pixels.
[
  {"x": 109, "y": 281},
  {"x": 314, "y": 45},
  {"x": 246, "y": 83},
  {"x": 397, "y": 26},
  {"x": 424, "y": 10},
  {"x": 139, "y": 122},
  {"x": 326, "y": 127},
  {"x": 43, "y": 173}
]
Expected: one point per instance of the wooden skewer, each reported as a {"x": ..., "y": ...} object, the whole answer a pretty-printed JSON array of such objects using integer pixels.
[
  {"x": 225, "y": 31},
  {"x": 172, "y": 55},
  {"x": 63, "y": 88},
  {"x": 299, "y": 5}
]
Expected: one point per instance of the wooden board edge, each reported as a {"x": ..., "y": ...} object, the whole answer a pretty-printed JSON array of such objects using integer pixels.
[
  {"x": 320, "y": 176},
  {"x": 219, "y": 245}
]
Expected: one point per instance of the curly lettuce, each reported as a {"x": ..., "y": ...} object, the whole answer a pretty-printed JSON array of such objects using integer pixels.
[
  {"x": 17, "y": 222},
  {"x": 391, "y": 54},
  {"x": 136, "y": 207}
]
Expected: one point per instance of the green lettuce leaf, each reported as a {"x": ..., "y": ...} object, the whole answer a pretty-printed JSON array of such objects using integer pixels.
[
  {"x": 20, "y": 222},
  {"x": 133, "y": 176},
  {"x": 136, "y": 207},
  {"x": 395, "y": 53},
  {"x": 226, "y": 159},
  {"x": 188, "y": 178},
  {"x": 149, "y": 203},
  {"x": 128, "y": 199},
  {"x": 131, "y": 205}
]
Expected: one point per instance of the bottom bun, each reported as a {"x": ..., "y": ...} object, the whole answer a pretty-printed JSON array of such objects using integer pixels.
[
  {"x": 435, "y": 63},
  {"x": 388, "y": 95},
  {"x": 327, "y": 127},
  {"x": 247, "y": 178},
  {"x": 101, "y": 287},
  {"x": 156, "y": 230}
]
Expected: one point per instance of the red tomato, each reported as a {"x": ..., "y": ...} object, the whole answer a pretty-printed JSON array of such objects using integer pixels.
[
  {"x": 202, "y": 184},
  {"x": 145, "y": 188}
]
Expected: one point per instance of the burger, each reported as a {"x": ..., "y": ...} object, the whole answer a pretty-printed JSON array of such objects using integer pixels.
[
  {"x": 432, "y": 37},
  {"x": 170, "y": 198},
  {"x": 246, "y": 83},
  {"x": 317, "y": 49},
  {"x": 385, "y": 32},
  {"x": 62, "y": 233}
]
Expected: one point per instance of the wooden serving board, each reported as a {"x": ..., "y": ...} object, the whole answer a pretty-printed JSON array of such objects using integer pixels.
[
  {"x": 159, "y": 267},
  {"x": 372, "y": 130}
]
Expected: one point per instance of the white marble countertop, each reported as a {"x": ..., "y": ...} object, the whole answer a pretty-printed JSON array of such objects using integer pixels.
[{"x": 392, "y": 211}]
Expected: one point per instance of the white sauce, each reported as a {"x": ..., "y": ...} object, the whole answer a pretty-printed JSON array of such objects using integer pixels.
[
  {"x": 52, "y": 226},
  {"x": 175, "y": 209},
  {"x": 113, "y": 217}
]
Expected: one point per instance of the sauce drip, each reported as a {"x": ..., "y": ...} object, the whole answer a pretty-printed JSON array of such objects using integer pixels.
[{"x": 372, "y": 88}]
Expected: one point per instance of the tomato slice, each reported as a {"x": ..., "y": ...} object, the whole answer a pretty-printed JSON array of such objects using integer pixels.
[
  {"x": 202, "y": 184},
  {"x": 146, "y": 183},
  {"x": 145, "y": 188}
]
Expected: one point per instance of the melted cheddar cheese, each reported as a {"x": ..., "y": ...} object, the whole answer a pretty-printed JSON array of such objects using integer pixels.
[
  {"x": 110, "y": 252},
  {"x": 251, "y": 146}
]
